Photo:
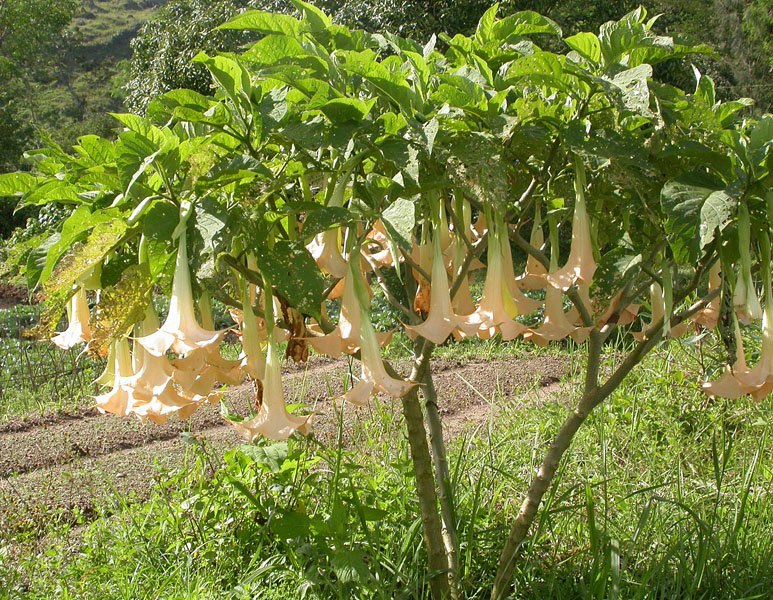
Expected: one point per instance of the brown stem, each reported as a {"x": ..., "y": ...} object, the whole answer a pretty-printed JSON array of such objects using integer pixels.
[
  {"x": 591, "y": 398},
  {"x": 443, "y": 477},
  {"x": 437, "y": 564}
]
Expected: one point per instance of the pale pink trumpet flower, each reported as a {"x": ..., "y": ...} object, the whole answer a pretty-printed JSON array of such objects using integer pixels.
[
  {"x": 523, "y": 303},
  {"x": 581, "y": 265},
  {"x": 709, "y": 316},
  {"x": 441, "y": 320},
  {"x": 658, "y": 306},
  {"x": 760, "y": 377},
  {"x": 252, "y": 359},
  {"x": 326, "y": 251},
  {"x": 346, "y": 337},
  {"x": 119, "y": 400},
  {"x": 747, "y": 304},
  {"x": 78, "y": 329},
  {"x": 533, "y": 276},
  {"x": 730, "y": 384},
  {"x": 272, "y": 421},
  {"x": 555, "y": 324},
  {"x": 181, "y": 332},
  {"x": 627, "y": 314},
  {"x": 373, "y": 377},
  {"x": 496, "y": 310}
]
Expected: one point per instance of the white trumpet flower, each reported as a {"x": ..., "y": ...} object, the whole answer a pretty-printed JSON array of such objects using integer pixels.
[
  {"x": 580, "y": 266},
  {"x": 181, "y": 332},
  {"x": 118, "y": 400},
  {"x": 441, "y": 320},
  {"x": 78, "y": 329}
]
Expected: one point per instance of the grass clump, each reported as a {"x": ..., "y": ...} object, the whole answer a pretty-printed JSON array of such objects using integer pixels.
[{"x": 665, "y": 495}]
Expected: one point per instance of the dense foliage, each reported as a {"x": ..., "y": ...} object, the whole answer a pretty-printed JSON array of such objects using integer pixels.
[{"x": 328, "y": 156}]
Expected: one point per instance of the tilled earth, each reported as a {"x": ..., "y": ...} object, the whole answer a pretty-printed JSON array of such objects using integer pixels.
[{"x": 63, "y": 465}]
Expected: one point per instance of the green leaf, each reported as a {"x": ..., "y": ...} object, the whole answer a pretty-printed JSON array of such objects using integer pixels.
[
  {"x": 74, "y": 229},
  {"x": 36, "y": 261},
  {"x": 483, "y": 33},
  {"x": 586, "y": 45},
  {"x": 271, "y": 457},
  {"x": 399, "y": 220},
  {"x": 349, "y": 566},
  {"x": 324, "y": 218},
  {"x": 696, "y": 205},
  {"x": 526, "y": 22},
  {"x": 346, "y": 110},
  {"x": 636, "y": 93},
  {"x": 159, "y": 222},
  {"x": 266, "y": 22},
  {"x": 291, "y": 525},
  {"x": 315, "y": 18},
  {"x": 16, "y": 184},
  {"x": 295, "y": 275}
]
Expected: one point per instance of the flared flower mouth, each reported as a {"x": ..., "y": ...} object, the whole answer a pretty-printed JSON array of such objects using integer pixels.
[
  {"x": 581, "y": 265},
  {"x": 497, "y": 309},
  {"x": 374, "y": 377},
  {"x": 555, "y": 324},
  {"x": 272, "y": 421},
  {"x": 181, "y": 332},
  {"x": 326, "y": 251},
  {"x": 119, "y": 400},
  {"x": 78, "y": 330},
  {"x": 441, "y": 320},
  {"x": 346, "y": 337}
]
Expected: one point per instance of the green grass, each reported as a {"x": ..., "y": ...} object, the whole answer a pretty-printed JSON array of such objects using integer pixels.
[
  {"x": 36, "y": 375},
  {"x": 664, "y": 495}
]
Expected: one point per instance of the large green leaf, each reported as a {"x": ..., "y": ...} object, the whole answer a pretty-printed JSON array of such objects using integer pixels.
[
  {"x": 292, "y": 270},
  {"x": 586, "y": 45},
  {"x": 696, "y": 206},
  {"x": 323, "y": 218},
  {"x": 266, "y": 22},
  {"x": 399, "y": 220}
]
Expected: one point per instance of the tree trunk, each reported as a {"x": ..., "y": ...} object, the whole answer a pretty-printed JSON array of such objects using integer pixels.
[{"x": 443, "y": 477}]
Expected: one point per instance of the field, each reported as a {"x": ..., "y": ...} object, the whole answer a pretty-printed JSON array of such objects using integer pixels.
[{"x": 666, "y": 495}]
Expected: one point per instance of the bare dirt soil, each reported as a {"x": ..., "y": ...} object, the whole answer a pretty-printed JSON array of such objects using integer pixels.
[{"x": 64, "y": 465}]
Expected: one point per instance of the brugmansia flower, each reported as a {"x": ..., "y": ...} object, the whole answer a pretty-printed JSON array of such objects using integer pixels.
[
  {"x": 580, "y": 265},
  {"x": 524, "y": 304},
  {"x": 118, "y": 400},
  {"x": 181, "y": 332},
  {"x": 533, "y": 276},
  {"x": 627, "y": 315},
  {"x": 326, "y": 251},
  {"x": 555, "y": 324},
  {"x": 78, "y": 329},
  {"x": 745, "y": 300},
  {"x": 496, "y": 310},
  {"x": 346, "y": 337},
  {"x": 374, "y": 377},
  {"x": 253, "y": 362},
  {"x": 709, "y": 316},
  {"x": 729, "y": 385},
  {"x": 377, "y": 252},
  {"x": 422, "y": 255},
  {"x": 441, "y": 320},
  {"x": 272, "y": 421},
  {"x": 658, "y": 305}
]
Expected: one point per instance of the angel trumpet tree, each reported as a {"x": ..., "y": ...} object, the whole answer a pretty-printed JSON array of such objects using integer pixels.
[{"x": 350, "y": 129}]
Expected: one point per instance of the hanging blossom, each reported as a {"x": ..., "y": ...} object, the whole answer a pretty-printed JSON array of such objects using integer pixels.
[
  {"x": 373, "y": 376},
  {"x": 496, "y": 310},
  {"x": 580, "y": 266},
  {"x": 533, "y": 276},
  {"x": 325, "y": 248},
  {"x": 272, "y": 421},
  {"x": 441, "y": 320},
  {"x": 118, "y": 400},
  {"x": 180, "y": 332},
  {"x": 709, "y": 316},
  {"x": 658, "y": 306},
  {"x": 745, "y": 300},
  {"x": 346, "y": 338},
  {"x": 78, "y": 329}
]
